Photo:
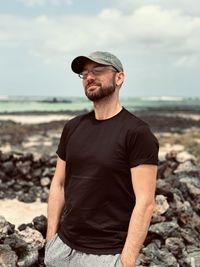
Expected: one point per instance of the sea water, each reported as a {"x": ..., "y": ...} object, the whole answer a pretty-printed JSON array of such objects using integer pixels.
[{"x": 55, "y": 104}]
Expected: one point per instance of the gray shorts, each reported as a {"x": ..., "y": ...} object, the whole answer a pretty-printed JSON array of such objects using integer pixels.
[{"x": 58, "y": 254}]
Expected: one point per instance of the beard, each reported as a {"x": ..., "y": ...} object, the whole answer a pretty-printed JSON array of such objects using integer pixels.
[{"x": 101, "y": 92}]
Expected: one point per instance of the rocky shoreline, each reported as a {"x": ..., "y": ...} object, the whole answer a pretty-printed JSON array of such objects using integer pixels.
[
  {"x": 24, "y": 177},
  {"x": 42, "y": 138},
  {"x": 27, "y": 164},
  {"x": 174, "y": 235}
]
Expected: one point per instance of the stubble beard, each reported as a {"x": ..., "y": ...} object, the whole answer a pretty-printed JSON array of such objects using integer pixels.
[{"x": 101, "y": 92}]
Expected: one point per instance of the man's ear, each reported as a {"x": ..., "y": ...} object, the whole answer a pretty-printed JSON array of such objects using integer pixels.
[{"x": 119, "y": 78}]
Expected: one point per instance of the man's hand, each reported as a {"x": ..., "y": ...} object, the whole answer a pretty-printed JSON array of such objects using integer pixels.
[
  {"x": 56, "y": 199},
  {"x": 49, "y": 236},
  {"x": 144, "y": 184},
  {"x": 127, "y": 260}
]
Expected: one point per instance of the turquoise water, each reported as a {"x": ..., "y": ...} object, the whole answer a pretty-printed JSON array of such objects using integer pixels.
[{"x": 31, "y": 104}]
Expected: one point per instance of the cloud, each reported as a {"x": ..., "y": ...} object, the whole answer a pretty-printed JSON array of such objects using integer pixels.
[
  {"x": 191, "y": 7},
  {"x": 148, "y": 29},
  {"x": 32, "y": 3},
  {"x": 167, "y": 30}
]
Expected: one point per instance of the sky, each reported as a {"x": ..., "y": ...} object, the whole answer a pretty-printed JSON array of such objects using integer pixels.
[{"x": 157, "y": 41}]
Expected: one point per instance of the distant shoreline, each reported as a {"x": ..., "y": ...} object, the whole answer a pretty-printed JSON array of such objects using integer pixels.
[
  {"x": 159, "y": 118},
  {"x": 73, "y": 106},
  {"x": 35, "y": 119},
  {"x": 44, "y": 112},
  {"x": 175, "y": 108},
  {"x": 39, "y": 132}
]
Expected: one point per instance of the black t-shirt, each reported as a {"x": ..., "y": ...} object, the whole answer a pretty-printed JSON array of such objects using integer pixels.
[{"x": 99, "y": 195}]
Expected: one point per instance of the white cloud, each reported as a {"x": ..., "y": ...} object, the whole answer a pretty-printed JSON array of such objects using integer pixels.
[
  {"x": 164, "y": 29},
  {"x": 186, "y": 62},
  {"x": 32, "y": 3},
  {"x": 190, "y": 7},
  {"x": 147, "y": 29}
]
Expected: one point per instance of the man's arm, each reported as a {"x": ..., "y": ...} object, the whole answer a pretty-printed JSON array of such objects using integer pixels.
[
  {"x": 144, "y": 184},
  {"x": 56, "y": 199}
]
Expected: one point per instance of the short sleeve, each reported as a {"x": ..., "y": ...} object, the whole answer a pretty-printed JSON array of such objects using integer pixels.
[
  {"x": 142, "y": 146},
  {"x": 68, "y": 130},
  {"x": 61, "y": 151}
]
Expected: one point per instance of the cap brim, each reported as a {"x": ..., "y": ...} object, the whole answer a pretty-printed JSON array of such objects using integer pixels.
[{"x": 79, "y": 62}]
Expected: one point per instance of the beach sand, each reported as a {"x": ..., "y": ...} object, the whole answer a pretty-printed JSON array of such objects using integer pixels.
[
  {"x": 17, "y": 212},
  {"x": 35, "y": 119}
]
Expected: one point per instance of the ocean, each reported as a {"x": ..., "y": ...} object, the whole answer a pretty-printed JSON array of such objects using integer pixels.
[{"x": 23, "y": 104}]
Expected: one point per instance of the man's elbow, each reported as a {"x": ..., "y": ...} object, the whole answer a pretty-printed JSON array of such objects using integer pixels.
[
  {"x": 151, "y": 207},
  {"x": 146, "y": 206}
]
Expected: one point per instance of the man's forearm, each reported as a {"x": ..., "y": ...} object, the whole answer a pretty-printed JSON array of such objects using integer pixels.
[
  {"x": 137, "y": 231},
  {"x": 55, "y": 206}
]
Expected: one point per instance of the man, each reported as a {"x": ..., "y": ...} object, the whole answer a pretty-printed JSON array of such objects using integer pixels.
[{"x": 104, "y": 183}]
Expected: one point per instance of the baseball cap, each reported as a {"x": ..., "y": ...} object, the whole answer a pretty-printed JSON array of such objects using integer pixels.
[{"x": 100, "y": 57}]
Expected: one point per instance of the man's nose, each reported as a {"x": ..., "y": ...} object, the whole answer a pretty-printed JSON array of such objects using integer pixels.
[{"x": 90, "y": 75}]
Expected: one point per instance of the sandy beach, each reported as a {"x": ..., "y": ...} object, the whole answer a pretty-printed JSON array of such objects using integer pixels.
[
  {"x": 35, "y": 119},
  {"x": 17, "y": 212}
]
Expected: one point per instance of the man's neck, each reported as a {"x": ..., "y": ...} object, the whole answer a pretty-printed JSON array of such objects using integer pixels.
[{"x": 106, "y": 109}]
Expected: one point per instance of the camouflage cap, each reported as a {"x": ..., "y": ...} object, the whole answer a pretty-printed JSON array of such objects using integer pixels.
[{"x": 100, "y": 57}]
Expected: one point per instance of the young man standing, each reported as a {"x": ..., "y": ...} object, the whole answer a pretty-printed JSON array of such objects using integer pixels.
[{"x": 105, "y": 178}]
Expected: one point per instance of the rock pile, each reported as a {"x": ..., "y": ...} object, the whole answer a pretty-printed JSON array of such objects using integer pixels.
[
  {"x": 25, "y": 178},
  {"x": 23, "y": 247},
  {"x": 173, "y": 239},
  {"x": 174, "y": 235}
]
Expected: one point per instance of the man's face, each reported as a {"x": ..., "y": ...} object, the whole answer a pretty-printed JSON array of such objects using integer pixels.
[{"x": 99, "y": 85}]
